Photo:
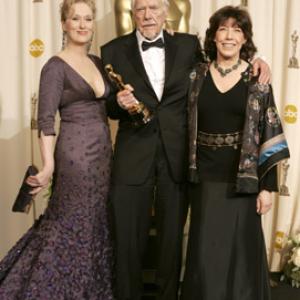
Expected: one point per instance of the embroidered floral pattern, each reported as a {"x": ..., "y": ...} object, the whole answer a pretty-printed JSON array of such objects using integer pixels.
[{"x": 262, "y": 124}]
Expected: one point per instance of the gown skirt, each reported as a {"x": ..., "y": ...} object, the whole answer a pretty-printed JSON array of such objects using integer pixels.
[{"x": 226, "y": 257}]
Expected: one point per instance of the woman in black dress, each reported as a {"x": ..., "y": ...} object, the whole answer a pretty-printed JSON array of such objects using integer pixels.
[
  {"x": 236, "y": 141},
  {"x": 67, "y": 254}
]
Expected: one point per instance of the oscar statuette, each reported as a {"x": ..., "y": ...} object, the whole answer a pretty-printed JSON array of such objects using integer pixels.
[{"x": 139, "y": 113}]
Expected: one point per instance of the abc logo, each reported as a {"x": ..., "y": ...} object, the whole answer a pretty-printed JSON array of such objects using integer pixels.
[
  {"x": 290, "y": 114},
  {"x": 36, "y": 48},
  {"x": 279, "y": 240}
]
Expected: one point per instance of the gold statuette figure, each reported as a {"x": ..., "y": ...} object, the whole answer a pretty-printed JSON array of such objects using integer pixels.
[
  {"x": 140, "y": 114},
  {"x": 177, "y": 19},
  {"x": 283, "y": 189},
  {"x": 293, "y": 61},
  {"x": 244, "y": 3}
]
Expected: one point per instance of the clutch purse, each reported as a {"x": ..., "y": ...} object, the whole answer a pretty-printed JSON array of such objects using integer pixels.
[{"x": 24, "y": 199}]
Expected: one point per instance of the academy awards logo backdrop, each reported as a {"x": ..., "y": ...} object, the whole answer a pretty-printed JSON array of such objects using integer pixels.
[
  {"x": 290, "y": 114},
  {"x": 36, "y": 48}
]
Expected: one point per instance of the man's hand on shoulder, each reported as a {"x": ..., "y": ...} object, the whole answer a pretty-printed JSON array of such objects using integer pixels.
[{"x": 261, "y": 69}]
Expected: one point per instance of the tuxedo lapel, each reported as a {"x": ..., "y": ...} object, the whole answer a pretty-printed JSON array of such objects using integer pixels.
[
  {"x": 170, "y": 55},
  {"x": 134, "y": 57}
]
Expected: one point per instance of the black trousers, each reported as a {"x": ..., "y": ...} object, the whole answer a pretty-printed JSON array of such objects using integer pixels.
[{"x": 132, "y": 205}]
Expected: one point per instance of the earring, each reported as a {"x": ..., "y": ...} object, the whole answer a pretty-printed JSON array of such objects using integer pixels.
[
  {"x": 89, "y": 44},
  {"x": 64, "y": 40}
]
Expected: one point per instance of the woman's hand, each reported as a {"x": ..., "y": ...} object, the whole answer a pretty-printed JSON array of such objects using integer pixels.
[
  {"x": 261, "y": 68},
  {"x": 40, "y": 180},
  {"x": 263, "y": 202}
]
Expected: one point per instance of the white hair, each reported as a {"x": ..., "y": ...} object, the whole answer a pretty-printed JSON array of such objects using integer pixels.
[{"x": 165, "y": 2}]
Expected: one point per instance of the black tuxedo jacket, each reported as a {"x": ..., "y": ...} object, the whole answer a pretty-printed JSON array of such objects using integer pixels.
[{"x": 135, "y": 147}]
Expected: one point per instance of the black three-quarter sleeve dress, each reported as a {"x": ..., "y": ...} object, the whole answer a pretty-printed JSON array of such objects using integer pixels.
[
  {"x": 226, "y": 256},
  {"x": 67, "y": 254}
]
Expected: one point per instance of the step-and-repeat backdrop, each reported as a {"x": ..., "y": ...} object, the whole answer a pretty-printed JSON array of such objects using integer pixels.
[{"x": 31, "y": 33}]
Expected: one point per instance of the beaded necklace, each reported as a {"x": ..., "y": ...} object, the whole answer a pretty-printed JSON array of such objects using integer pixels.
[{"x": 224, "y": 72}]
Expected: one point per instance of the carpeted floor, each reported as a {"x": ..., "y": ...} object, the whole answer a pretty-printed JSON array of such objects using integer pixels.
[
  {"x": 282, "y": 291},
  {"x": 285, "y": 292}
]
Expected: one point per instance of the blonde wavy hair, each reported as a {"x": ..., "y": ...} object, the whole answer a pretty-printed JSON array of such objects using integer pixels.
[{"x": 67, "y": 4}]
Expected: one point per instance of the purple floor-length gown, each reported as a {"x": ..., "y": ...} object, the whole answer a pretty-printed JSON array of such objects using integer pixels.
[{"x": 67, "y": 254}]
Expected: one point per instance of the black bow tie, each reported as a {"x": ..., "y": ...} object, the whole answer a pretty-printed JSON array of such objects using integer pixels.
[{"x": 158, "y": 43}]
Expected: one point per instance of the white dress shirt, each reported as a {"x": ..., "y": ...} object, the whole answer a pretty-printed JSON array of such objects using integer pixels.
[{"x": 154, "y": 63}]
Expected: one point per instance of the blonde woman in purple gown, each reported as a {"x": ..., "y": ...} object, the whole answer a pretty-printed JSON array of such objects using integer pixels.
[{"x": 67, "y": 253}]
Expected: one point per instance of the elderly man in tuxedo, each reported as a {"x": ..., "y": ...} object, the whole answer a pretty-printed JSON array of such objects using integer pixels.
[{"x": 150, "y": 161}]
